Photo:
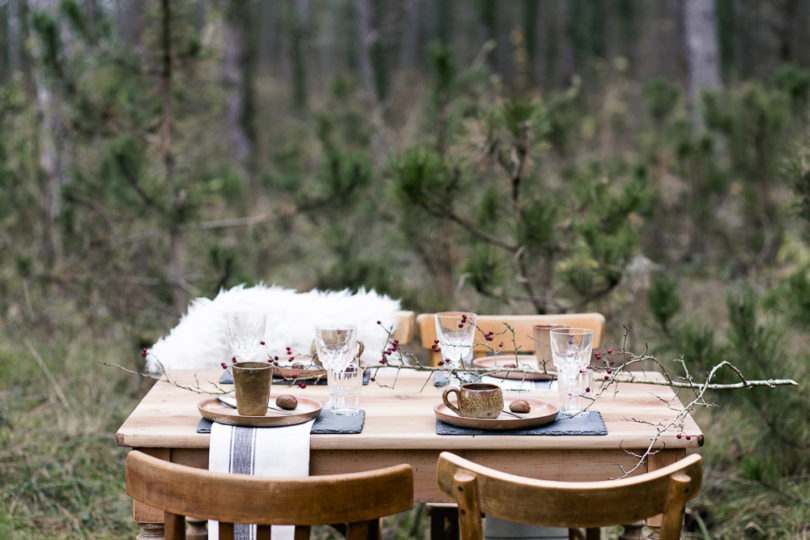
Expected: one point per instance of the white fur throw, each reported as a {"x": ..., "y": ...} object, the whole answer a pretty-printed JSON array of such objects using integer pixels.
[{"x": 198, "y": 341}]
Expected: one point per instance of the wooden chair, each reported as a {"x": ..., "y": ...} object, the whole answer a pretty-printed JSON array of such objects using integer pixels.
[
  {"x": 356, "y": 499},
  {"x": 478, "y": 489},
  {"x": 522, "y": 324}
]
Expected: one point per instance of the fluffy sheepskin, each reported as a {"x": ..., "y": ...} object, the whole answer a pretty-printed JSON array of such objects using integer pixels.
[{"x": 198, "y": 342}]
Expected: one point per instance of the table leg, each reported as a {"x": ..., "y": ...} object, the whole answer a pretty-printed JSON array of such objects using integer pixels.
[
  {"x": 632, "y": 531},
  {"x": 150, "y": 531},
  {"x": 196, "y": 529},
  {"x": 443, "y": 521}
]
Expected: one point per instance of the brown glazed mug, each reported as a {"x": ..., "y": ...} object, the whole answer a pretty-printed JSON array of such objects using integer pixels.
[
  {"x": 475, "y": 400},
  {"x": 252, "y": 380}
]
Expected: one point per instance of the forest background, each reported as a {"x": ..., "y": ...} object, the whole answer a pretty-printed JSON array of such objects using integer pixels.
[{"x": 648, "y": 160}]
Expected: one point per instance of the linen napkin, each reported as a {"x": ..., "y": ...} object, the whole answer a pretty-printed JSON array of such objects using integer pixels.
[{"x": 272, "y": 451}]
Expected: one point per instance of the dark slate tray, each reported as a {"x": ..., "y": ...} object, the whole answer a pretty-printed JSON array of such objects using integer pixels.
[
  {"x": 589, "y": 423},
  {"x": 326, "y": 423}
]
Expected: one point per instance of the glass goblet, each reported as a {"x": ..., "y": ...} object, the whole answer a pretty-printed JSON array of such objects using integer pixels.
[{"x": 455, "y": 331}]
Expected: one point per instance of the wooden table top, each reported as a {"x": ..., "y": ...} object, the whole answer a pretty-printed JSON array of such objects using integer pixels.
[{"x": 402, "y": 418}]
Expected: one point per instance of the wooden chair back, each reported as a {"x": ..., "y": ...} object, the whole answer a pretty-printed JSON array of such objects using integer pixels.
[
  {"x": 523, "y": 326},
  {"x": 478, "y": 489},
  {"x": 356, "y": 499}
]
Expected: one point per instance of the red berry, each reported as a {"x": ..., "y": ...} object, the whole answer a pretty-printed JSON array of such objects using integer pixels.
[
  {"x": 500, "y": 344},
  {"x": 383, "y": 361},
  {"x": 435, "y": 341},
  {"x": 688, "y": 437},
  {"x": 607, "y": 377},
  {"x": 461, "y": 325},
  {"x": 294, "y": 376},
  {"x": 609, "y": 371},
  {"x": 143, "y": 352},
  {"x": 609, "y": 351},
  {"x": 233, "y": 360},
  {"x": 261, "y": 343},
  {"x": 379, "y": 322},
  {"x": 290, "y": 359},
  {"x": 396, "y": 342},
  {"x": 587, "y": 389},
  {"x": 373, "y": 379},
  {"x": 440, "y": 362},
  {"x": 224, "y": 366},
  {"x": 302, "y": 385},
  {"x": 678, "y": 435}
]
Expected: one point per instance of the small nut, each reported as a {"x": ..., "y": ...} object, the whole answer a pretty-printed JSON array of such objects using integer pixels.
[
  {"x": 287, "y": 402},
  {"x": 520, "y": 406}
]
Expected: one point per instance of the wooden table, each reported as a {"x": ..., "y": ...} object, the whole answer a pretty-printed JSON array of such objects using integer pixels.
[{"x": 400, "y": 428}]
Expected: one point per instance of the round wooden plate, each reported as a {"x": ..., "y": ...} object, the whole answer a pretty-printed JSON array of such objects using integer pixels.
[
  {"x": 216, "y": 411},
  {"x": 301, "y": 366},
  {"x": 542, "y": 413},
  {"x": 489, "y": 362}
]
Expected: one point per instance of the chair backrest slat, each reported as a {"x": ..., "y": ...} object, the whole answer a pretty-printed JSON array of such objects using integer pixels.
[
  {"x": 237, "y": 498},
  {"x": 572, "y": 504},
  {"x": 523, "y": 326}
]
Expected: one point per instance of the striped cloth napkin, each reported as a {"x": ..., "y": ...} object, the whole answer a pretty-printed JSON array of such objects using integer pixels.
[{"x": 276, "y": 451}]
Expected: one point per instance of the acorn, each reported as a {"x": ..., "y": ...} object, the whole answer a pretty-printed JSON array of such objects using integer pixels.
[
  {"x": 520, "y": 406},
  {"x": 287, "y": 402}
]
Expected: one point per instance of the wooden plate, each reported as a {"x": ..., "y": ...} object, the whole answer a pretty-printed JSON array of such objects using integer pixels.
[
  {"x": 489, "y": 362},
  {"x": 542, "y": 413},
  {"x": 301, "y": 366},
  {"x": 216, "y": 411}
]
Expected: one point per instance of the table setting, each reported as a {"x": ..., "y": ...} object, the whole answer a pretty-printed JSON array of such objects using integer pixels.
[{"x": 397, "y": 419}]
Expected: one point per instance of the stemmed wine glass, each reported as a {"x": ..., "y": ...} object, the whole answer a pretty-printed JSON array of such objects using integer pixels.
[
  {"x": 455, "y": 331},
  {"x": 337, "y": 348}
]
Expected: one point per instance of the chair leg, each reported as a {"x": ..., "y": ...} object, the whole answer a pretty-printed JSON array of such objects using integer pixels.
[{"x": 443, "y": 522}]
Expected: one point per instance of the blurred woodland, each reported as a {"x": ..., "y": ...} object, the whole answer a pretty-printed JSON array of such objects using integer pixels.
[{"x": 646, "y": 159}]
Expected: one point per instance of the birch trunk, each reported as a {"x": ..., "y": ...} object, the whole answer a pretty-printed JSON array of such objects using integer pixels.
[{"x": 700, "y": 26}]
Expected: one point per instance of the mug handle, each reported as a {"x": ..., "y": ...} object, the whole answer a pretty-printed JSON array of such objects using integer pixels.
[
  {"x": 446, "y": 399},
  {"x": 360, "y": 349}
]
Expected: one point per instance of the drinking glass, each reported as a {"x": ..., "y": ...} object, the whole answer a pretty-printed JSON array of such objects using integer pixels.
[
  {"x": 344, "y": 390},
  {"x": 246, "y": 334},
  {"x": 336, "y": 345},
  {"x": 571, "y": 353},
  {"x": 542, "y": 346},
  {"x": 455, "y": 331}
]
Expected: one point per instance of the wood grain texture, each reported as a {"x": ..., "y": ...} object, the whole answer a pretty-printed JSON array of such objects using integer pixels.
[
  {"x": 570, "y": 504},
  {"x": 352, "y": 498},
  {"x": 402, "y": 418},
  {"x": 523, "y": 326}
]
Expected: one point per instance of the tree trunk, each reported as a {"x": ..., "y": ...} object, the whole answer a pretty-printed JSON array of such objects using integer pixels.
[
  {"x": 700, "y": 26},
  {"x": 409, "y": 54},
  {"x": 179, "y": 197},
  {"x": 237, "y": 79},
  {"x": 364, "y": 36},
  {"x": 295, "y": 29}
]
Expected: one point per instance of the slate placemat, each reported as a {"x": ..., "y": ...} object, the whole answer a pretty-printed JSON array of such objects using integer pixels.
[
  {"x": 326, "y": 423},
  {"x": 589, "y": 423},
  {"x": 227, "y": 378}
]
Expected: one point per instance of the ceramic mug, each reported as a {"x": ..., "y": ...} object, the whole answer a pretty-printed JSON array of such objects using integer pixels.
[{"x": 475, "y": 400}]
